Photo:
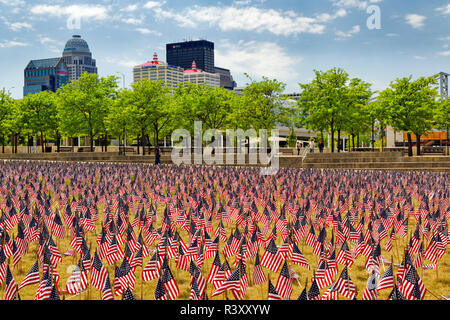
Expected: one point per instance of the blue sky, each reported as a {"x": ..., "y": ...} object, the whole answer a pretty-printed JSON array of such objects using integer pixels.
[{"x": 282, "y": 39}]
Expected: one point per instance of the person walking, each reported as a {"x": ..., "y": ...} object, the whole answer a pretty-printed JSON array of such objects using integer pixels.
[
  {"x": 299, "y": 145},
  {"x": 311, "y": 146},
  {"x": 321, "y": 146},
  {"x": 157, "y": 155}
]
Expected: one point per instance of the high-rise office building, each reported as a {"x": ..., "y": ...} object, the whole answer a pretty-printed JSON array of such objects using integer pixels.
[
  {"x": 226, "y": 79},
  {"x": 183, "y": 53},
  {"x": 156, "y": 70},
  {"x": 44, "y": 74},
  {"x": 78, "y": 58}
]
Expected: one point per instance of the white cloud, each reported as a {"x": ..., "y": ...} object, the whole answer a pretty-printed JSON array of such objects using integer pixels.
[
  {"x": 257, "y": 59},
  {"x": 230, "y": 18},
  {"x": 362, "y": 5},
  {"x": 47, "y": 40},
  {"x": 392, "y": 35},
  {"x": 341, "y": 35},
  {"x": 135, "y": 21},
  {"x": 416, "y": 21},
  {"x": 89, "y": 12},
  {"x": 13, "y": 3},
  {"x": 154, "y": 4},
  {"x": 444, "y": 53},
  {"x": 148, "y": 31},
  {"x": 12, "y": 43},
  {"x": 419, "y": 58},
  {"x": 130, "y": 8},
  {"x": 17, "y": 26},
  {"x": 444, "y": 9}
]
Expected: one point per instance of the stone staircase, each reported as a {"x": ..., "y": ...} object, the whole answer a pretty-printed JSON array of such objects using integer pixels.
[{"x": 377, "y": 161}]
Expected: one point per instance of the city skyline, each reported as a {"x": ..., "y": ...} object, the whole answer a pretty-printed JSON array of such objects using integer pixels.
[{"x": 286, "y": 40}]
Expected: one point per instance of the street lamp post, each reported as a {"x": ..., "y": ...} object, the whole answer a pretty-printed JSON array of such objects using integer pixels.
[{"x": 124, "y": 138}]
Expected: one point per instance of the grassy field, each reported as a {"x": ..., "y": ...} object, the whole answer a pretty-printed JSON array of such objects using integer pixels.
[
  {"x": 436, "y": 281},
  {"x": 78, "y": 178}
]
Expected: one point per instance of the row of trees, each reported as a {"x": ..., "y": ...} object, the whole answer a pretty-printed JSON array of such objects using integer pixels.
[
  {"x": 335, "y": 103},
  {"x": 94, "y": 107}
]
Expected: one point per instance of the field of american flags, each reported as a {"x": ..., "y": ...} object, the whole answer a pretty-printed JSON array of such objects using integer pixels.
[{"x": 135, "y": 231}]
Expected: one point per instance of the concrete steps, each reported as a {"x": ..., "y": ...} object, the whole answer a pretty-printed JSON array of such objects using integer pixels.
[{"x": 377, "y": 161}]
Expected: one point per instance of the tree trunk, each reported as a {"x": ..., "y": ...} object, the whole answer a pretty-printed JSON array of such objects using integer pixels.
[
  {"x": 339, "y": 140},
  {"x": 106, "y": 143},
  {"x": 138, "y": 144},
  {"x": 418, "y": 143},
  {"x": 142, "y": 143},
  {"x": 91, "y": 136},
  {"x": 372, "y": 139},
  {"x": 156, "y": 135},
  {"x": 410, "y": 152},
  {"x": 332, "y": 136},
  {"x": 357, "y": 141},
  {"x": 58, "y": 142},
  {"x": 3, "y": 143}
]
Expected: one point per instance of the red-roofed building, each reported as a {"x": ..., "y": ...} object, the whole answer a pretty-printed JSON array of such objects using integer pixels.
[
  {"x": 199, "y": 76},
  {"x": 156, "y": 70}
]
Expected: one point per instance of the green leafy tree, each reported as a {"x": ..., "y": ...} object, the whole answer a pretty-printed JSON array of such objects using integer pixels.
[
  {"x": 15, "y": 124},
  {"x": 118, "y": 121},
  {"x": 199, "y": 102},
  {"x": 410, "y": 106},
  {"x": 40, "y": 115},
  {"x": 84, "y": 105},
  {"x": 6, "y": 102},
  {"x": 358, "y": 96},
  {"x": 149, "y": 109},
  {"x": 324, "y": 102},
  {"x": 264, "y": 104}
]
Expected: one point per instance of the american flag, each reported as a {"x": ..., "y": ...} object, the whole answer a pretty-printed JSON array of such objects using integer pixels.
[
  {"x": 273, "y": 293},
  {"x": 344, "y": 285},
  {"x": 128, "y": 294},
  {"x": 32, "y": 276},
  {"x": 54, "y": 295},
  {"x": 371, "y": 290},
  {"x": 169, "y": 283},
  {"x": 78, "y": 281},
  {"x": 311, "y": 238},
  {"x": 160, "y": 292},
  {"x": 11, "y": 289},
  {"x": 106, "y": 290},
  {"x": 314, "y": 293},
  {"x": 387, "y": 280},
  {"x": 396, "y": 294},
  {"x": 344, "y": 256},
  {"x": 258, "y": 273},
  {"x": 271, "y": 258},
  {"x": 232, "y": 283},
  {"x": 215, "y": 267},
  {"x": 195, "y": 273},
  {"x": 284, "y": 282},
  {"x": 303, "y": 295},
  {"x": 408, "y": 281},
  {"x": 114, "y": 252},
  {"x": 98, "y": 273},
  {"x": 195, "y": 293},
  {"x": 125, "y": 275},
  {"x": 45, "y": 287},
  {"x": 153, "y": 268},
  {"x": 330, "y": 294}
]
